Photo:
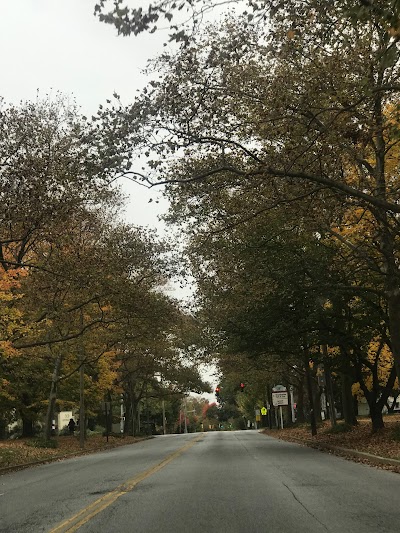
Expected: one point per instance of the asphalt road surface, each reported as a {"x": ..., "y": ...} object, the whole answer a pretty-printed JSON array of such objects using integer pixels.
[{"x": 214, "y": 482}]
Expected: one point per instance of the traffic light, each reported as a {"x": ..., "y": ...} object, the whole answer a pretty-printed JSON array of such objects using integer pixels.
[
  {"x": 242, "y": 387},
  {"x": 217, "y": 391}
]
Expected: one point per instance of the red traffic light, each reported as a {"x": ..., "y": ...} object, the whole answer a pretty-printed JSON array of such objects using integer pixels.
[
  {"x": 241, "y": 387},
  {"x": 217, "y": 390}
]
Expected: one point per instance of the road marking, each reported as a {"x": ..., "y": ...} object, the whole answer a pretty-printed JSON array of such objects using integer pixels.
[{"x": 86, "y": 514}]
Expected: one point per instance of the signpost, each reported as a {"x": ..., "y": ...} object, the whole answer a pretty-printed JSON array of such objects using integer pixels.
[{"x": 279, "y": 398}]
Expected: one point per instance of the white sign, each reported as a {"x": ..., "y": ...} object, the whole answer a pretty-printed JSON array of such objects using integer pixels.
[
  {"x": 280, "y": 398},
  {"x": 63, "y": 419}
]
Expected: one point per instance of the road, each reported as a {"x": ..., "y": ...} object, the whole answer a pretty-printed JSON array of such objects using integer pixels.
[{"x": 224, "y": 481}]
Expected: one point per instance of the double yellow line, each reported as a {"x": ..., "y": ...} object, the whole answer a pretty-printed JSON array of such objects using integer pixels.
[{"x": 86, "y": 514}]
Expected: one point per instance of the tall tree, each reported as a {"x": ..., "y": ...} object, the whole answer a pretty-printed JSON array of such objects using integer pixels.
[
  {"x": 51, "y": 166},
  {"x": 305, "y": 107}
]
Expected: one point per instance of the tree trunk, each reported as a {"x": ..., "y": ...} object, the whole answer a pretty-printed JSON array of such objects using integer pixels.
[
  {"x": 300, "y": 415},
  {"x": 128, "y": 415},
  {"x": 270, "y": 413},
  {"x": 82, "y": 421},
  {"x": 3, "y": 427},
  {"x": 109, "y": 413},
  {"x": 376, "y": 417},
  {"x": 346, "y": 381},
  {"x": 82, "y": 411},
  {"x": 347, "y": 400},
  {"x": 135, "y": 422},
  {"x": 139, "y": 427},
  {"x": 310, "y": 394},
  {"x": 330, "y": 398},
  {"x": 27, "y": 427},
  {"x": 52, "y": 398},
  {"x": 316, "y": 395},
  {"x": 26, "y": 416},
  {"x": 131, "y": 415},
  {"x": 288, "y": 409}
]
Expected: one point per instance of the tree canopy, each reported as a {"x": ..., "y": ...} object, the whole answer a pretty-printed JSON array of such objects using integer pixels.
[
  {"x": 82, "y": 291},
  {"x": 288, "y": 105}
]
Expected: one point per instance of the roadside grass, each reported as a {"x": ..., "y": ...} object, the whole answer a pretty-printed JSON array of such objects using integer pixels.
[{"x": 23, "y": 451}]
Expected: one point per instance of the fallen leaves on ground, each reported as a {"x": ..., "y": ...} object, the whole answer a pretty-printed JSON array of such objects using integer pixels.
[
  {"x": 359, "y": 438},
  {"x": 21, "y": 451}
]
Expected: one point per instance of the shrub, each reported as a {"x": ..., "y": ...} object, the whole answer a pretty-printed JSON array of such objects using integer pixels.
[
  {"x": 117, "y": 435},
  {"x": 99, "y": 430}
]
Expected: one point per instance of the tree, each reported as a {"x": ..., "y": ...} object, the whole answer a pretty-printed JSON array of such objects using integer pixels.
[
  {"x": 11, "y": 324},
  {"x": 153, "y": 364},
  {"x": 272, "y": 285},
  {"x": 50, "y": 168},
  {"x": 376, "y": 377},
  {"x": 139, "y": 19},
  {"x": 58, "y": 198},
  {"x": 304, "y": 108},
  {"x": 91, "y": 286}
]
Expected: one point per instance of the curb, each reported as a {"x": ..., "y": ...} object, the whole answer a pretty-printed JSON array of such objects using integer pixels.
[
  {"x": 377, "y": 459},
  {"x": 22, "y": 466}
]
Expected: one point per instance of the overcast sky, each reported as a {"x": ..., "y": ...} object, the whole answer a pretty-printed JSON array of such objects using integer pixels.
[{"x": 58, "y": 45}]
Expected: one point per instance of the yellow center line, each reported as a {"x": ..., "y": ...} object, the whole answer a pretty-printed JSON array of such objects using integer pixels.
[{"x": 86, "y": 514}]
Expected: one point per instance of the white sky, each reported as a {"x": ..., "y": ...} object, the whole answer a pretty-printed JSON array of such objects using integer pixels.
[{"x": 58, "y": 45}]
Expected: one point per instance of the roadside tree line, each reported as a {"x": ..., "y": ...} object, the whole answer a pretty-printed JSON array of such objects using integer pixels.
[
  {"x": 276, "y": 134},
  {"x": 85, "y": 314}
]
